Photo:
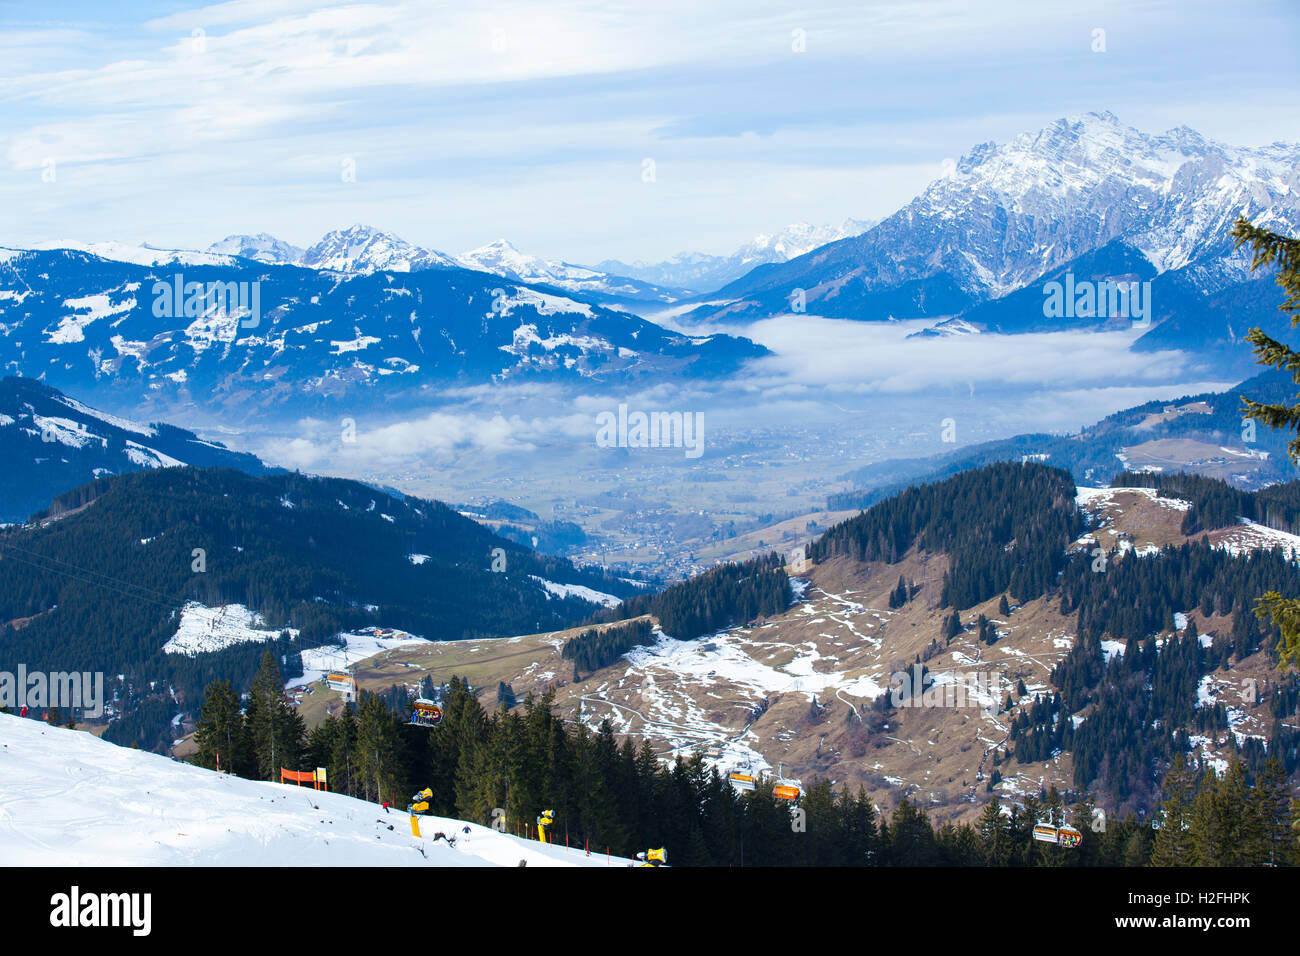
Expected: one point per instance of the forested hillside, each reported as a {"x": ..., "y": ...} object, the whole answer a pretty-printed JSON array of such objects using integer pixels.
[
  {"x": 720, "y": 597},
  {"x": 1125, "y": 715},
  {"x": 1137, "y": 687},
  {"x": 1005, "y": 528},
  {"x": 103, "y": 587}
]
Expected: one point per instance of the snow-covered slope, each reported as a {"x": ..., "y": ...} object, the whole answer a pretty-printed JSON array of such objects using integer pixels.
[
  {"x": 578, "y": 590},
  {"x": 203, "y": 630},
  {"x": 51, "y": 443},
  {"x": 140, "y": 254},
  {"x": 68, "y": 798}
]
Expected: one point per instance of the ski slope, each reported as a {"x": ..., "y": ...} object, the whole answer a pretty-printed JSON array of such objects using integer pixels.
[{"x": 68, "y": 798}]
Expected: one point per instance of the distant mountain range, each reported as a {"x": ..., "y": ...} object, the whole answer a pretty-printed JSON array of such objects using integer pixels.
[
  {"x": 244, "y": 335},
  {"x": 362, "y": 248},
  {"x": 502, "y": 259},
  {"x": 51, "y": 443},
  {"x": 365, "y": 249},
  {"x": 363, "y": 312},
  {"x": 701, "y": 272},
  {"x": 1202, "y": 434},
  {"x": 1089, "y": 197}
]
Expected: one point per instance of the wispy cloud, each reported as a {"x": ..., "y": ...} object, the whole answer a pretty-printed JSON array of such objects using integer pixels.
[
  {"x": 830, "y": 371},
  {"x": 468, "y": 121}
]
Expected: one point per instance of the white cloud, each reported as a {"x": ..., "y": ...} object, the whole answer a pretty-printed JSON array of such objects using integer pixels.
[{"x": 542, "y": 138}]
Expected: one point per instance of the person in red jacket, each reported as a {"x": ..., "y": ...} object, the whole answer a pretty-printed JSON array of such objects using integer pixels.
[{"x": 23, "y": 712}]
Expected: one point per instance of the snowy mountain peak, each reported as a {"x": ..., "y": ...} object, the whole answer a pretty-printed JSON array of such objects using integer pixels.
[
  {"x": 1168, "y": 195},
  {"x": 501, "y": 258},
  {"x": 362, "y": 248},
  {"x": 1006, "y": 214},
  {"x": 798, "y": 239},
  {"x": 261, "y": 248}
]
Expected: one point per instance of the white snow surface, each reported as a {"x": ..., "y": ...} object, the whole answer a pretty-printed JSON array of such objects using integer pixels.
[
  {"x": 1092, "y": 498},
  {"x": 204, "y": 629},
  {"x": 578, "y": 590},
  {"x": 1248, "y": 536},
  {"x": 318, "y": 661},
  {"x": 68, "y": 798},
  {"x": 140, "y": 254}
]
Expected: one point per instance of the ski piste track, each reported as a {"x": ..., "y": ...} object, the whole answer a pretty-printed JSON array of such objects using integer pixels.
[{"x": 68, "y": 798}]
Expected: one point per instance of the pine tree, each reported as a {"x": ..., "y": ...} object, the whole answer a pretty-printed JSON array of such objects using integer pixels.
[
  {"x": 899, "y": 596},
  {"x": 343, "y": 752},
  {"x": 995, "y": 838},
  {"x": 274, "y": 727},
  {"x": 1272, "y": 249},
  {"x": 1224, "y": 830},
  {"x": 1271, "y": 804},
  {"x": 377, "y": 749},
  {"x": 220, "y": 733},
  {"x": 1174, "y": 845},
  {"x": 911, "y": 837},
  {"x": 1135, "y": 849}
]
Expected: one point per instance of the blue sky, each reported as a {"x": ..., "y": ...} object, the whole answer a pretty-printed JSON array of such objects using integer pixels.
[{"x": 179, "y": 124}]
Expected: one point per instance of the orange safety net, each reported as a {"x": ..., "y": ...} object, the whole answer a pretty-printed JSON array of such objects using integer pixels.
[{"x": 300, "y": 777}]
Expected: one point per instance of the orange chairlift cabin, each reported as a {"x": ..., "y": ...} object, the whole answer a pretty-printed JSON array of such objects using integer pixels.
[
  {"x": 786, "y": 789},
  {"x": 1064, "y": 835},
  {"x": 425, "y": 713},
  {"x": 742, "y": 781}
]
